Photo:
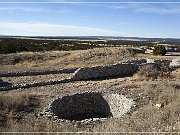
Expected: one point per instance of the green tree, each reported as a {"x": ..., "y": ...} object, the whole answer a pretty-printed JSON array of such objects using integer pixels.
[{"x": 159, "y": 50}]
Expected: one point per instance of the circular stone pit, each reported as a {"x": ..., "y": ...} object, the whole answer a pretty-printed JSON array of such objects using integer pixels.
[{"x": 89, "y": 105}]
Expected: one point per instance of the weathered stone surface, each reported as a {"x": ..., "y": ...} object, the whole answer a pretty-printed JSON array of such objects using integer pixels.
[
  {"x": 4, "y": 84},
  {"x": 127, "y": 68},
  {"x": 150, "y": 61},
  {"x": 36, "y": 84},
  {"x": 13, "y": 74},
  {"x": 81, "y": 106},
  {"x": 136, "y": 61},
  {"x": 121, "y": 70},
  {"x": 89, "y": 107},
  {"x": 175, "y": 63}
]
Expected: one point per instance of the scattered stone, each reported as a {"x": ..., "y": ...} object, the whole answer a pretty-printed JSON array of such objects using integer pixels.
[
  {"x": 175, "y": 63},
  {"x": 88, "y": 107},
  {"x": 150, "y": 61},
  {"x": 158, "y": 106}
]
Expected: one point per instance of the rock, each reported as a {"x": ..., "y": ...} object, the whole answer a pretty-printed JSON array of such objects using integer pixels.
[
  {"x": 150, "y": 61},
  {"x": 175, "y": 63},
  {"x": 55, "y": 117},
  {"x": 49, "y": 116},
  {"x": 41, "y": 113},
  {"x": 158, "y": 106}
]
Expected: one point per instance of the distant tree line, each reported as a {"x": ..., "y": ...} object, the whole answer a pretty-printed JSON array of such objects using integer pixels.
[
  {"x": 10, "y": 45},
  {"x": 129, "y": 42},
  {"x": 13, "y": 45}
]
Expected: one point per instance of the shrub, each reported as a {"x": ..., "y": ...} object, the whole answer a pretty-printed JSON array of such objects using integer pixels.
[
  {"x": 18, "y": 102},
  {"x": 150, "y": 71},
  {"x": 159, "y": 50}
]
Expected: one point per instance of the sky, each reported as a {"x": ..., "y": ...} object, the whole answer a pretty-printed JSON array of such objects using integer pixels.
[{"x": 125, "y": 18}]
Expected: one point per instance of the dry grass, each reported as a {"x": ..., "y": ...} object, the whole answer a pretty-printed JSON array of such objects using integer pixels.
[
  {"x": 16, "y": 102},
  {"x": 176, "y": 73},
  {"x": 145, "y": 118},
  {"x": 156, "y": 71},
  {"x": 150, "y": 71},
  {"x": 16, "y": 106},
  {"x": 71, "y": 59},
  {"x": 19, "y": 107},
  {"x": 151, "y": 56},
  {"x": 149, "y": 118}
]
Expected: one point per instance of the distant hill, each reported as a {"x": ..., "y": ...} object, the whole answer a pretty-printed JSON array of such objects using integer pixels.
[{"x": 153, "y": 40}]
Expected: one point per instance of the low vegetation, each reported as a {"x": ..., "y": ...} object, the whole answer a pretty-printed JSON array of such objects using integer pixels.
[
  {"x": 154, "y": 71},
  {"x": 148, "y": 117},
  {"x": 155, "y": 93},
  {"x": 16, "y": 106},
  {"x": 14, "y": 45},
  {"x": 159, "y": 50}
]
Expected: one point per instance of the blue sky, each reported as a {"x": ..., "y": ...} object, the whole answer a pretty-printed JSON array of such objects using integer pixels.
[{"x": 138, "y": 18}]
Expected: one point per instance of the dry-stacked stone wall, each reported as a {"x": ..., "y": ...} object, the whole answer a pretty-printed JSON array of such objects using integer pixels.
[
  {"x": 120, "y": 70},
  {"x": 36, "y": 84},
  {"x": 87, "y": 107},
  {"x": 16, "y": 74},
  {"x": 124, "y": 69},
  {"x": 81, "y": 106}
]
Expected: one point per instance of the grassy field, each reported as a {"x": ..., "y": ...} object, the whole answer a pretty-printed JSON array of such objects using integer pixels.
[
  {"x": 64, "y": 59},
  {"x": 157, "y": 99}
]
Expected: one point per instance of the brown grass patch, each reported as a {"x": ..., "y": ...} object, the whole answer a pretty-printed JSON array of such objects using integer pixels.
[{"x": 16, "y": 106}]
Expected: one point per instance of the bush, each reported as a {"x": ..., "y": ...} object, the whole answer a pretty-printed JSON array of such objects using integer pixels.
[
  {"x": 18, "y": 102},
  {"x": 150, "y": 71},
  {"x": 159, "y": 50}
]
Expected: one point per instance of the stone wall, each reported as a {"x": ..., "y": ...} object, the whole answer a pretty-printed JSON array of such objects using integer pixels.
[
  {"x": 87, "y": 107},
  {"x": 16, "y": 74},
  {"x": 81, "y": 106},
  {"x": 127, "y": 68},
  {"x": 100, "y": 72},
  {"x": 37, "y": 84}
]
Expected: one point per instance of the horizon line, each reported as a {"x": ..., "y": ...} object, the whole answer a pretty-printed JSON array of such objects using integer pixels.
[{"x": 1, "y": 35}]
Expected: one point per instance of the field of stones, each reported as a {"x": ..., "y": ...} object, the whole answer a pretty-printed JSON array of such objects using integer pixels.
[{"x": 96, "y": 90}]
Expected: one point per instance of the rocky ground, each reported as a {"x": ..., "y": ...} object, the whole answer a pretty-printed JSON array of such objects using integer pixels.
[{"x": 156, "y": 101}]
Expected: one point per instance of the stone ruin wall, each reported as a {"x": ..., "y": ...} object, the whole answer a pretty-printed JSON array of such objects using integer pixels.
[
  {"x": 100, "y": 72},
  {"x": 124, "y": 69}
]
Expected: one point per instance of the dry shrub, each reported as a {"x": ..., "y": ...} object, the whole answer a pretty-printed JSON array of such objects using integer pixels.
[
  {"x": 31, "y": 124},
  {"x": 150, "y": 71},
  {"x": 3, "y": 120},
  {"x": 14, "y": 102},
  {"x": 16, "y": 107},
  {"x": 18, "y": 102},
  {"x": 154, "y": 71}
]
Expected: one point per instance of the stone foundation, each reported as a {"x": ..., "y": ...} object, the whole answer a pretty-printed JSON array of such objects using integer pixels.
[
  {"x": 101, "y": 72},
  {"x": 88, "y": 106},
  {"x": 81, "y": 106}
]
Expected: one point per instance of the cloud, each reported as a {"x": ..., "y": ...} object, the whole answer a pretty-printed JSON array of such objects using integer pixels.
[
  {"x": 162, "y": 8},
  {"x": 139, "y": 7},
  {"x": 45, "y": 29},
  {"x": 11, "y": 9}
]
